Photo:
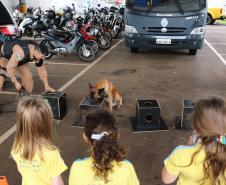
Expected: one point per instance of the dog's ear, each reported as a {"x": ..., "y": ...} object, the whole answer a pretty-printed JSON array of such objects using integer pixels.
[
  {"x": 90, "y": 85},
  {"x": 101, "y": 91}
]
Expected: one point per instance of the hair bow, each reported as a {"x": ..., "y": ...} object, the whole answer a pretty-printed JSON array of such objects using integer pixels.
[{"x": 99, "y": 136}]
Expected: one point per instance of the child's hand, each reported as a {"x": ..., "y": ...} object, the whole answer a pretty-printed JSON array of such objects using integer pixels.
[{"x": 190, "y": 140}]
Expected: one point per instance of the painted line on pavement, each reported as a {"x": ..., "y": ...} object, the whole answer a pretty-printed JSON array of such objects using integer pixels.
[
  {"x": 63, "y": 63},
  {"x": 67, "y": 64},
  {"x": 211, "y": 36},
  {"x": 8, "y": 93},
  {"x": 215, "y": 43},
  {"x": 7, "y": 134},
  {"x": 216, "y": 52}
]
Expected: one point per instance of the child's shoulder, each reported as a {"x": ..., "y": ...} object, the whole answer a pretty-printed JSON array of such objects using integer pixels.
[
  {"x": 182, "y": 148},
  {"x": 185, "y": 150},
  {"x": 51, "y": 152},
  {"x": 81, "y": 164},
  {"x": 87, "y": 161},
  {"x": 81, "y": 161},
  {"x": 126, "y": 162}
]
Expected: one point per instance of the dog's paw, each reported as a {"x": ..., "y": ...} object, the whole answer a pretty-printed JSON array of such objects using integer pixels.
[{"x": 114, "y": 104}]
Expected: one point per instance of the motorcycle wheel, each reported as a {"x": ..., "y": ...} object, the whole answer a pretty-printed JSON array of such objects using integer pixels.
[
  {"x": 103, "y": 42},
  {"x": 86, "y": 53},
  {"x": 94, "y": 45},
  {"x": 114, "y": 34},
  {"x": 46, "y": 48},
  {"x": 28, "y": 32},
  {"x": 108, "y": 34}
]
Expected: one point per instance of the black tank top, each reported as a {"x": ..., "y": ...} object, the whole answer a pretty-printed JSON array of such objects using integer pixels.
[{"x": 8, "y": 50}]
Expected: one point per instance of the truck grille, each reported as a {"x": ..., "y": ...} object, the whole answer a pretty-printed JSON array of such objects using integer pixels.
[{"x": 158, "y": 30}]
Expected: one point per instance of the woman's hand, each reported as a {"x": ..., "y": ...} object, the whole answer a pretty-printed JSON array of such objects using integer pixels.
[
  {"x": 17, "y": 85},
  {"x": 49, "y": 89}
]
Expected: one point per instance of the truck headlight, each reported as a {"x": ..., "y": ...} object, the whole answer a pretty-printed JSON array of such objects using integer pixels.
[
  {"x": 130, "y": 29},
  {"x": 198, "y": 31}
]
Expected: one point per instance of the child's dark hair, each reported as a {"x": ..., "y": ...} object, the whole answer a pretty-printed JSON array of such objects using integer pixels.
[{"x": 106, "y": 149}]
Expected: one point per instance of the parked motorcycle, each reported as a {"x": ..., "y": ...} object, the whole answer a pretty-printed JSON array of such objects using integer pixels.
[
  {"x": 77, "y": 25},
  {"x": 63, "y": 43},
  {"x": 18, "y": 16},
  {"x": 25, "y": 26}
]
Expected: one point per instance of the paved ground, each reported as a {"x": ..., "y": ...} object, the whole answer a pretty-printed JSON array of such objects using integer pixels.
[{"x": 169, "y": 76}]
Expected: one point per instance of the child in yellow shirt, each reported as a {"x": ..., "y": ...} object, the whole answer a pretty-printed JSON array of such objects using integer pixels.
[
  {"x": 204, "y": 161},
  {"x": 38, "y": 160},
  {"x": 107, "y": 164}
]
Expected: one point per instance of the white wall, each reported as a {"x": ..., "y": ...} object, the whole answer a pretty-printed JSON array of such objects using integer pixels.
[
  {"x": 216, "y": 3},
  {"x": 10, "y": 4},
  {"x": 45, "y": 4}
]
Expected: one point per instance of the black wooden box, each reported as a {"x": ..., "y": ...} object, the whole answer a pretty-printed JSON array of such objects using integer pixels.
[
  {"x": 187, "y": 109},
  {"x": 58, "y": 103},
  {"x": 147, "y": 115},
  {"x": 87, "y": 106}
]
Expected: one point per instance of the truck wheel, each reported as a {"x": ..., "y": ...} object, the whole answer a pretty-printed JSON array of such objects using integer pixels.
[
  {"x": 192, "y": 51},
  {"x": 134, "y": 50},
  {"x": 209, "y": 19}
]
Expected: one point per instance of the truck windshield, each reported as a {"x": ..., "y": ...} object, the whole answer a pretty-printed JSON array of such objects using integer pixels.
[{"x": 166, "y": 6}]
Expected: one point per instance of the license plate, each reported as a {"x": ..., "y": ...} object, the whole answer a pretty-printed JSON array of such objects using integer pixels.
[{"x": 163, "y": 41}]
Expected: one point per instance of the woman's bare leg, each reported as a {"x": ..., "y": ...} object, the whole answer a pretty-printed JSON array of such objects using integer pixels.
[
  {"x": 3, "y": 63},
  {"x": 26, "y": 77}
]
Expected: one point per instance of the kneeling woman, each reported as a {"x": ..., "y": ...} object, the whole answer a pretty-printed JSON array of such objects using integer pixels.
[{"x": 15, "y": 55}]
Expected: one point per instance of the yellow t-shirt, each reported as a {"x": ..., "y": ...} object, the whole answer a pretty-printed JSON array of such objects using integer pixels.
[
  {"x": 37, "y": 172},
  {"x": 82, "y": 173},
  {"x": 177, "y": 164}
]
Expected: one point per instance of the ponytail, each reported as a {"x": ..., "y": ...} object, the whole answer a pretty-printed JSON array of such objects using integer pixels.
[
  {"x": 208, "y": 119},
  {"x": 102, "y": 132},
  {"x": 105, "y": 151},
  {"x": 215, "y": 161}
]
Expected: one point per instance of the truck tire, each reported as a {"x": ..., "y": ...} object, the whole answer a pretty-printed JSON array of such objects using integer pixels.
[
  {"x": 192, "y": 51},
  {"x": 209, "y": 20},
  {"x": 134, "y": 50}
]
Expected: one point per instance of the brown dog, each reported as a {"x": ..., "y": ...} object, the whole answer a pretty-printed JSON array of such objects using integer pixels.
[{"x": 106, "y": 88}]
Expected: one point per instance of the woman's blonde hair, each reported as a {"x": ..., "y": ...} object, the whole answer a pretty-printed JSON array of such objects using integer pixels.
[
  {"x": 209, "y": 121},
  {"x": 34, "y": 127}
]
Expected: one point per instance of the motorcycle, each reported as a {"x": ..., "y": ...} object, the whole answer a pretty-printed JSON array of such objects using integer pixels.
[
  {"x": 90, "y": 40},
  {"x": 25, "y": 26},
  {"x": 63, "y": 43},
  {"x": 17, "y": 16}
]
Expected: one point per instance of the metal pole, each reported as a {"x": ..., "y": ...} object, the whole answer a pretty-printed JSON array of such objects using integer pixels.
[{"x": 22, "y": 2}]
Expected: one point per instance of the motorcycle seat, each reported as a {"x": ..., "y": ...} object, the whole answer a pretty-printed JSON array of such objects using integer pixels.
[
  {"x": 62, "y": 39},
  {"x": 60, "y": 33}
]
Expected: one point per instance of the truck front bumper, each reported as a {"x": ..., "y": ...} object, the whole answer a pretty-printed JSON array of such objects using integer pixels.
[{"x": 149, "y": 41}]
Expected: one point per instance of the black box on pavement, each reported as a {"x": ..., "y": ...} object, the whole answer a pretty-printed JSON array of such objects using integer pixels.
[
  {"x": 87, "y": 106},
  {"x": 148, "y": 116},
  {"x": 58, "y": 103},
  {"x": 187, "y": 109}
]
